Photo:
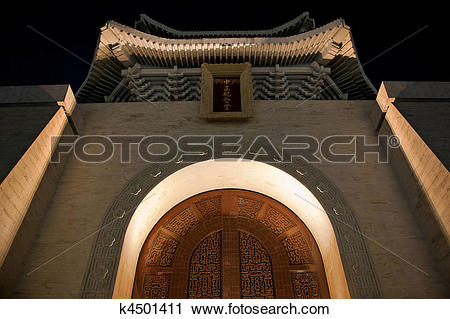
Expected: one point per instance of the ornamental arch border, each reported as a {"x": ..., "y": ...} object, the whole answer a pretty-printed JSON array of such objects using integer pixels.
[{"x": 107, "y": 250}]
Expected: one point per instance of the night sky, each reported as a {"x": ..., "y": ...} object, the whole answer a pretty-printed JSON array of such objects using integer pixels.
[{"x": 28, "y": 58}]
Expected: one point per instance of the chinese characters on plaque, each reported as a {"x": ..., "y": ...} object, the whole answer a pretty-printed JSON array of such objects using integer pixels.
[{"x": 227, "y": 94}]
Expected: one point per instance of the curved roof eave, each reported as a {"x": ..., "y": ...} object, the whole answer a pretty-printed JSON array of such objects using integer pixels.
[
  {"x": 111, "y": 24},
  {"x": 360, "y": 66}
]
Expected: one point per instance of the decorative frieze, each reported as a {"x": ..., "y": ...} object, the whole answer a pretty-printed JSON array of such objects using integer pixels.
[
  {"x": 155, "y": 286},
  {"x": 161, "y": 252},
  {"x": 297, "y": 249},
  {"x": 276, "y": 221},
  {"x": 210, "y": 207},
  {"x": 183, "y": 222},
  {"x": 306, "y": 285},
  {"x": 248, "y": 207}
]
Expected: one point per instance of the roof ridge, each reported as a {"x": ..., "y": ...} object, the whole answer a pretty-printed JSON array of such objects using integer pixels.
[{"x": 299, "y": 24}]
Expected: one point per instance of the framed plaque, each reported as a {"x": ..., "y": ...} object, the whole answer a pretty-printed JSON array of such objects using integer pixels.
[{"x": 227, "y": 92}]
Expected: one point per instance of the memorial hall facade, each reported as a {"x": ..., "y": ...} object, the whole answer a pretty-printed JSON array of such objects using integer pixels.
[{"x": 225, "y": 164}]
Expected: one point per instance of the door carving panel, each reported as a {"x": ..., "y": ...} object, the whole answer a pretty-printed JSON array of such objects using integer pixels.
[
  {"x": 205, "y": 268},
  {"x": 230, "y": 244},
  {"x": 255, "y": 269}
]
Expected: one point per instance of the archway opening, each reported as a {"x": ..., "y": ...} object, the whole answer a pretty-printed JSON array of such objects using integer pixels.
[
  {"x": 230, "y": 243},
  {"x": 229, "y": 174}
]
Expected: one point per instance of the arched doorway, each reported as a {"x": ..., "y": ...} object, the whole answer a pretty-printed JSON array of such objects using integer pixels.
[
  {"x": 230, "y": 243},
  {"x": 157, "y": 194}
]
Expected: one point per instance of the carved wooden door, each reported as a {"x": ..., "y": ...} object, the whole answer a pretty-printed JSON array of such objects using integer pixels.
[{"x": 230, "y": 244}]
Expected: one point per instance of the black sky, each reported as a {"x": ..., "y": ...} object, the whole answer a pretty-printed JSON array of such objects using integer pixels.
[{"x": 28, "y": 58}]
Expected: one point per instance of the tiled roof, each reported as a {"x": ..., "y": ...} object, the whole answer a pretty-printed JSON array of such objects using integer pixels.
[{"x": 120, "y": 47}]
